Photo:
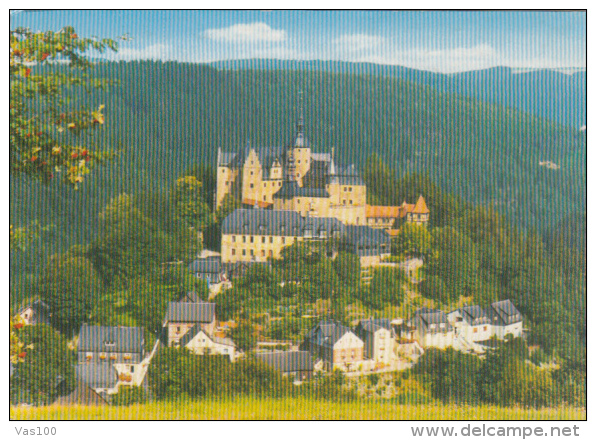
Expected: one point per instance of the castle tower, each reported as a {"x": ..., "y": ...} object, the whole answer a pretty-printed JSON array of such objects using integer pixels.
[{"x": 301, "y": 148}]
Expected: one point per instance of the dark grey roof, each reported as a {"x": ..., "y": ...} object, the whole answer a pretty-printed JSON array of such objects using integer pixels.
[
  {"x": 278, "y": 223},
  {"x": 326, "y": 333},
  {"x": 504, "y": 313},
  {"x": 424, "y": 318},
  {"x": 97, "y": 375},
  {"x": 288, "y": 361},
  {"x": 290, "y": 189},
  {"x": 206, "y": 265},
  {"x": 346, "y": 176},
  {"x": 200, "y": 312},
  {"x": 111, "y": 339},
  {"x": 474, "y": 315},
  {"x": 372, "y": 325},
  {"x": 366, "y": 236}
]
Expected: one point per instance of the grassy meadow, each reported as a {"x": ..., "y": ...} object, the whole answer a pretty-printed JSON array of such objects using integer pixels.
[{"x": 292, "y": 409}]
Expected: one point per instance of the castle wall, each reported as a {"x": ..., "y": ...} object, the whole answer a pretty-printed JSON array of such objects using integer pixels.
[
  {"x": 253, "y": 247},
  {"x": 226, "y": 178}
]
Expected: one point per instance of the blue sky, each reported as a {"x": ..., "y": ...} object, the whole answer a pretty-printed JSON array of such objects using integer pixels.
[{"x": 438, "y": 41}]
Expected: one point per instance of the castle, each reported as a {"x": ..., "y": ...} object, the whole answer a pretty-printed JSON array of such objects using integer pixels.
[{"x": 297, "y": 179}]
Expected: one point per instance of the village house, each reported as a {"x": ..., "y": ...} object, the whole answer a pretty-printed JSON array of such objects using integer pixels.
[
  {"x": 505, "y": 319},
  {"x": 379, "y": 339},
  {"x": 36, "y": 312},
  {"x": 193, "y": 325},
  {"x": 297, "y": 365},
  {"x": 431, "y": 328},
  {"x": 471, "y": 323},
  {"x": 334, "y": 344},
  {"x": 120, "y": 348}
]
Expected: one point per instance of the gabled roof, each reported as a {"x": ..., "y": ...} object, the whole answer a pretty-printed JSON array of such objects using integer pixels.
[
  {"x": 206, "y": 265},
  {"x": 97, "y": 375},
  {"x": 474, "y": 315},
  {"x": 425, "y": 317},
  {"x": 198, "y": 312},
  {"x": 111, "y": 339},
  {"x": 327, "y": 333},
  {"x": 196, "y": 329},
  {"x": 189, "y": 297},
  {"x": 372, "y": 325},
  {"x": 420, "y": 207},
  {"x": 366, "y": 236},
  {"x": 288, "y": 361},
  {"x": 504, "y": 313}
]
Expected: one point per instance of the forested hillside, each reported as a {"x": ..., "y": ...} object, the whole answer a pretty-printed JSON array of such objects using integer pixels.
[{"x": 163, "y": 118}]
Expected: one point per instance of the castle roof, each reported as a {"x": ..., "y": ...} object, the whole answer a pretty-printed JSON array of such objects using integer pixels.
[
  {"x": 277, "y": 223},
  {"x": 420, "y": 207},
  {"x": 290, "y": 189}
]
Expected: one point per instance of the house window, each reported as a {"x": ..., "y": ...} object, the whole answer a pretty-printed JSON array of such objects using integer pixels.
[
  {"x": 265, "y": 185},
  {"x": 350, "y": 202},
  {"x": 233, "y": 251},
  {"x": 270, "y": 253},
  {"x": 243, "y": 251},
  {"x": 262, "y": 239},
  {"x": 270, "y": 239},
  {"x": 178, "y": 329},
  {"x": 244, "y": 239},
  {"x": 252, "y": 239},
  {"x": 433, "y": 326},
  {"x": 252, "y": 253},
  {"x": 132, "y": 368},
  {"x": 442, "y": 325},
  {"x": 345, "y": 188},
  {"x": 265, "y": 198},
  {"x": 350, "y": 189},
  {"x": 485, "y": 328},
  {"x": 252, "y": 185},
  {"x": 283, "y": 240},
  {"x": 263, "y": 253},
  {"x": 233, "y": 239},
  {"x": 251, "y": 173},
  {"x": 475, "y": 330}
]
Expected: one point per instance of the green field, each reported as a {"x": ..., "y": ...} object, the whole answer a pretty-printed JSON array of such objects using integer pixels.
[{"x": 293, "y": 409}]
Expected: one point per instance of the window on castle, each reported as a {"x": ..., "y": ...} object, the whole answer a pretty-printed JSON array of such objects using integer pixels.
[
  {"x": 265, "y": 185},
  {"x": 244, "y": 239},
  {"x": 263, "y": 253},
  {"x": 252, "y": 185},
  {"x": 350, "y": 189},
  {"x": 252, "y": 239},
  {"x": 252, "y": 173},
  {"x": 298, "y": 161},
  {"x": 262, "y": 239},
  {"x": 350, "y": 202},
  {"x": 345, "y": 188},
  {"x": 271, "y": 253},
  {"x": 252, "y": 253},
  {"x": 233, "y": 239},
  {"x": 243, "y": 251},
  {"x": 233, "y": 251},
  {"x": 283, "y": 240},
  {"x": 265, "y": 198},
  {"x": 270, "y": 239}
]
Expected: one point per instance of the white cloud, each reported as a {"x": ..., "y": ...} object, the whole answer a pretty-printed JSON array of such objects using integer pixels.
[
  {"x": 356, "y": 42},
  {"x": 445, "y": 61},
  {"x": 252, "y": 32}
]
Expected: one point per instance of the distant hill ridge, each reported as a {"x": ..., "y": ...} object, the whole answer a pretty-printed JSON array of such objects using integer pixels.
[{"x": 548, "y": 93}]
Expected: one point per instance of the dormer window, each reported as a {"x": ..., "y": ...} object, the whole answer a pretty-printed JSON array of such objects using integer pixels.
[
  {"x": 323, "y": 233},
  {"x": 308, "y": 233},
  {"x": 442, "y": 325},
  {"x": 433, "y": 326}
]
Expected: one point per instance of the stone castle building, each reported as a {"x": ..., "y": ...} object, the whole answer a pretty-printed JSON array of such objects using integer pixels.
[{"x": 306, "y": 195}]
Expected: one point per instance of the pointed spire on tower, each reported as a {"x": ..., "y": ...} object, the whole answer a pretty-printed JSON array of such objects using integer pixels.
[{"x": 300, "y": 139}]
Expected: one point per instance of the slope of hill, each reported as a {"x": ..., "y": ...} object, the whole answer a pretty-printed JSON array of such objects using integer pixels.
[{"x": 166, "y": 117}]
